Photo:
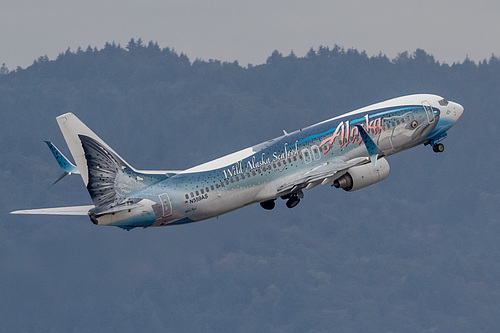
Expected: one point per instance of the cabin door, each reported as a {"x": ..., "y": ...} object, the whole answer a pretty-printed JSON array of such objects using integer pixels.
[
  {"x": 165, "y": 204},
  {"x": 428, "y": 110}
]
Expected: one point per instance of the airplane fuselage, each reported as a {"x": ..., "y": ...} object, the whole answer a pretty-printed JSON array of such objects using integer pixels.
[{"x": 270, "y": 170}]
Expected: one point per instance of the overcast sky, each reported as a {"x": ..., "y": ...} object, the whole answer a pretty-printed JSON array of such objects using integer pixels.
[{"x": 248, "y": 31}]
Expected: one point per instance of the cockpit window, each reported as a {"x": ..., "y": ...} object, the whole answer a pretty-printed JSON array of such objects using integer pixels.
[{"x": 443, "y": 102}]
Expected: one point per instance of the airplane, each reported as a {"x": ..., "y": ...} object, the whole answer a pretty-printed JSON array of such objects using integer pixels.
[{"x": 348, "y": 151}]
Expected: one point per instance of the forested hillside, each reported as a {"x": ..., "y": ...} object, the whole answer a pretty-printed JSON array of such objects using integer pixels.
[{"x": 418, "y": 252}]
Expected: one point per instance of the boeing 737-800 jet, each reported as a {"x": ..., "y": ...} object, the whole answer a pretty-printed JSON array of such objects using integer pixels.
[{"x": 348, "y": 151}]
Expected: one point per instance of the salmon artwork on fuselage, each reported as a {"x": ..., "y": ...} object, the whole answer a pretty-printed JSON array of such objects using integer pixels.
[{"x": 348, "y": 151}]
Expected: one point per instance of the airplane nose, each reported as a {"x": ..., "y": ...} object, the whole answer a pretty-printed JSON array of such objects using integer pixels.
[
  {"x": 456, "y": 110},
  {"x": 449, "y": 115}
]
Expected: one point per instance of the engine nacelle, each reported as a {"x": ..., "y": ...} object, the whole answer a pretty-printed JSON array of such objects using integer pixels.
[{"x": 363, "y": 175}]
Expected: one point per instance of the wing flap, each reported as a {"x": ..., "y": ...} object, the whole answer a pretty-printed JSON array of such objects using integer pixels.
[{"x": 73, "y": 210}]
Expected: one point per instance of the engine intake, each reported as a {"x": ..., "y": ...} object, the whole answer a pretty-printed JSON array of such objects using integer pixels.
[{"x": 362, "y": 176}]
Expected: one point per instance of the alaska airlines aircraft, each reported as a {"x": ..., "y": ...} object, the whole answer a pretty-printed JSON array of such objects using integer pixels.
[{"x": 348, "y": 151}]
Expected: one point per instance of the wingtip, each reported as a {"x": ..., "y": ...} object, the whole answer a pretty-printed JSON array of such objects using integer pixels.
[{"x": 373, "y": 150}]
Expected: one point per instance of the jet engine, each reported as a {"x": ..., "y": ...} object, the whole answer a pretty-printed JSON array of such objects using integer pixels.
[{"x": 363, "y": 175}]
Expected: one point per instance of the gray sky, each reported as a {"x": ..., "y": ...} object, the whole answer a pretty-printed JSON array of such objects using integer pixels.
[{"x": 248, "y": 31}]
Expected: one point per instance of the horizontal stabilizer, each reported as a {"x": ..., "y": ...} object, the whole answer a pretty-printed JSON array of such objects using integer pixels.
[{"x": 73, "y": 210}]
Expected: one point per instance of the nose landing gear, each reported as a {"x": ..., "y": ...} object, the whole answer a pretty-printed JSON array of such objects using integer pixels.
[{"x": 438, "y": 148}]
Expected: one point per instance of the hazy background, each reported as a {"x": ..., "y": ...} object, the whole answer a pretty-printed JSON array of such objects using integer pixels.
[
  {"x": 248, "y": 31},
  {"x": 418, "y": 252}
]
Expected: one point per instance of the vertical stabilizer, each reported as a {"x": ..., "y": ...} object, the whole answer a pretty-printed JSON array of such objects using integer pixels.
[
  {"x": 108, "y": 178},
  {"x": 72, "y": 128}
]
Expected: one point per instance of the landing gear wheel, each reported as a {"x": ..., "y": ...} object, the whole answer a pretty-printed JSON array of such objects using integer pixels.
[
  {"x": 438, "y": 148},
  {"x": 292, "y": 202},
  {"x": 268, "y": 204}
]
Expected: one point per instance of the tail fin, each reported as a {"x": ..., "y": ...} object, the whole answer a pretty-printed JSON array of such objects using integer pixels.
[
  {"x": 71, "y": 128},
  {"x": 106, "y": 175}
]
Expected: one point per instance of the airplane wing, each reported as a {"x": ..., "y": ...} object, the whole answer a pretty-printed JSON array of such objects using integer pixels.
[
  {"x": 74, "y": 210},
  {"x": 67, "y": 167},
  {"x": 322, "y": 174}
]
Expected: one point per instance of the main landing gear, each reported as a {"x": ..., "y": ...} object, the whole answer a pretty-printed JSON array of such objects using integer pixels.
[
  {"x": 293, "y": 200},
  {"x": 269, "y": 204}
]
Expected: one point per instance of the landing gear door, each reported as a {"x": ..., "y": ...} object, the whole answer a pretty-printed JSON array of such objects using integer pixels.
[
  {"x": 165, "y": 204},
  {"x": 428, "y": 110}
]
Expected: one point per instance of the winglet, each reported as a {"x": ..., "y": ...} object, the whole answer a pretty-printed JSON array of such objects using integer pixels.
[
  {"x": 373, "y": 150},
  {"x": 68, "y": 167}
]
